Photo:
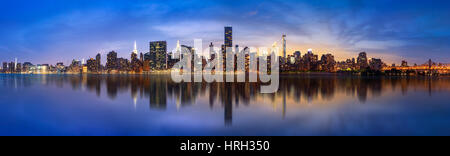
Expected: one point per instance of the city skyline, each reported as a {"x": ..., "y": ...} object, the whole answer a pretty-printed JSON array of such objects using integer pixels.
[
  {"x": 158, "y": 57},
  {"x": 392, "y": 31}
]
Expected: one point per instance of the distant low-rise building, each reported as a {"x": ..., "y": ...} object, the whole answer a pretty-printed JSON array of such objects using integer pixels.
[{"x": 404, "y": 63}]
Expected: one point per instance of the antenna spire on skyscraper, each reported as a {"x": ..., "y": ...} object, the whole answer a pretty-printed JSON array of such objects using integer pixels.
[{"x": 135, "y": 48}]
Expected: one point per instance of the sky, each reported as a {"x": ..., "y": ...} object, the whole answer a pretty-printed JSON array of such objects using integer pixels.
[{"x": 50, "y": 31}]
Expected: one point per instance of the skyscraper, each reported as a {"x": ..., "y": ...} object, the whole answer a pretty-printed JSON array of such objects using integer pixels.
[
  {"x": 298, "y": 55},
  {"x": 178, "y": 50},
  {"x": 284, "y": 47},
  {"x": 328, "y": 63},
  {"x": 227, "y": 46},
  {"x": 15, "y": 63},
  {"x": 92, "y": 65},
  {"x": 228, "y": 37},
  {"x": 136, "y": 64},
  {"x": 134, "y": 57},
  {"x": 158, "y": 52},
  {"x": 5, "y": 67},
  {"x": 376, "y": 64},
  {"x": 111, "y": 63},
  {"x": 18, "y": 67},
  {"x": 362, "y": 60},
  {"x": 211, "y": 51},
  {"x": 27, "y": 66},
  {"x": 12, "y": 67},
  {"x": 97, "y": 60},
  {"x": 310, "y": 61},
  {"x": 123, "y": 65},
  {"x": 147, "y": 57}
]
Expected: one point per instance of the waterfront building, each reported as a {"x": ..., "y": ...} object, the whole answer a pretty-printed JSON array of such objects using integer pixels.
[
  {"x": 98, "y": 61},
  {"x": 18, "y": 67},
  {"x": 147, "y": 57},
  {"x": 310, "y": 61},
  {"x": 5, "y": 67},
  {"x": 12, "y": 67},
  {"x": 171, "y": 61},
  {"x": 74, "y": 67},
  {"x": 60, "y": 67},
  {"x": 27, "y": 67},
  {"x": 211, "y": 51},
  {"x": 404, "y": 63},
  {"x": 84, "y": 68},
  {"x": 227, "y": 46},
  {"x": 297, "y": 55},
  {"x": 228, "y": 37},
  {"x": 92, "y": 65},
  {"x": 190, "y": 51},
  {"x": 376, "y": 64},
  {"x": 284, "y": 48},
  {"x": 362, "y": 61},
  {"x": 136, "y": 63},
  {"x": 43, "y": 68},
  {"x": 158, "y": 55},
  {"x": 328, "y": 63},
  {"x": 111, "y": 63},
  {"x": 123, "y": 65}
]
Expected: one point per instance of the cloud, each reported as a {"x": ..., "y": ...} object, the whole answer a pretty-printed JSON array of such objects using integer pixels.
[
  {"x": 49, "y": 31},
  {"x": 251, "y": 14},
  {"x": 191, "y": 29},
  {"x": 379, "y": 45}
]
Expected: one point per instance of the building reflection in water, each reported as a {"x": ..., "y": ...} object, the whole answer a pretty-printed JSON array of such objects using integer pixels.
[{"x": 158, "y": 89}]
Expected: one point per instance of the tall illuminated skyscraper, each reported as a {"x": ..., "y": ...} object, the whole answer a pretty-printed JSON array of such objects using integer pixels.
[
  {"x": 228, "y": 45},
  {"x": 135, "y": 62},
  {"x": 178, "y": 50},
  {"x": 284, "y": 48},
  {"x": 211, "y": 51},
  {"x": 98, "y": 61},
  {"x": 228, "y": 37},
  {"x": 158, "y": 52}
]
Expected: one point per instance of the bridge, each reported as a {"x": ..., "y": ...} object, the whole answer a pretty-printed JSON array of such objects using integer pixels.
[{"x": 429, "y": 68}]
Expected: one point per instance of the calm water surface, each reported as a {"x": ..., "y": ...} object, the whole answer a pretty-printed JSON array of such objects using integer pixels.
[{"x": 154, "y": 105}]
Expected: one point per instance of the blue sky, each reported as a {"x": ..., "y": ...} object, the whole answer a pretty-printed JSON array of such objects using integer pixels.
[{"x": 50, "y": 31}]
